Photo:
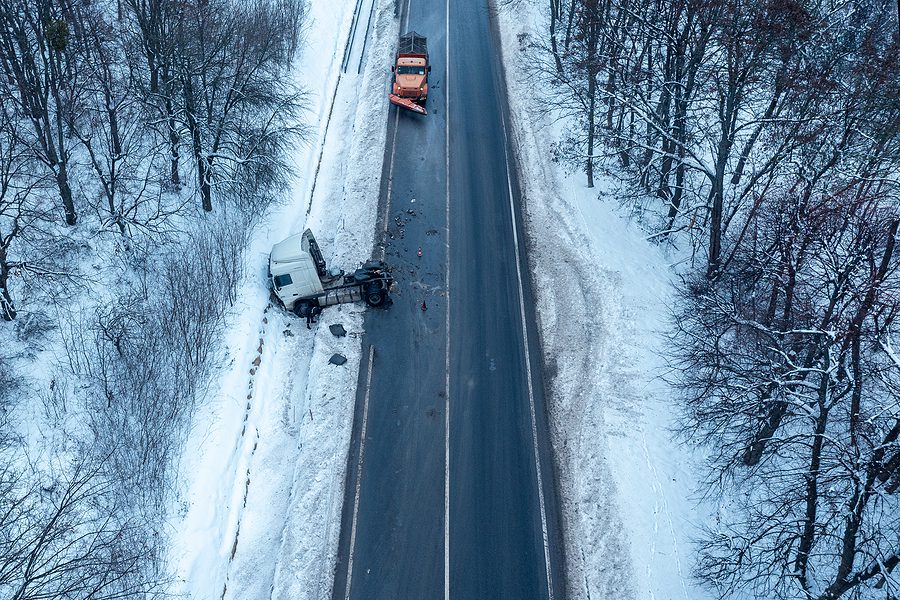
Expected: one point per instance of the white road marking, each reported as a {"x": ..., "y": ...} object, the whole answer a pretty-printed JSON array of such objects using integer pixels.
[
  {"x": 359, "y": 466},
  {"x": 390, "y": 186},
  {"x": 447, "y": 286},
  {"x": 537, "y": 457}
]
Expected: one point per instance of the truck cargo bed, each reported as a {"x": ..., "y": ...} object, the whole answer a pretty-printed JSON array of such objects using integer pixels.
[{"x": 412, "y": 44}]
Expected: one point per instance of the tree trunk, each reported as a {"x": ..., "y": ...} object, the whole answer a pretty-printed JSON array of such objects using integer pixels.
[
  {"x": 717, "y": 199},
  {"x": 62, "y": 172},
  {"x": 205, "y": 174},
  {"x": 679, "y": 119},
  {"x": 7, "y": 308},
  {"x": 202, "y": 161},
  {"x": 554, "y": 17},
  {"x": 808, "y": 537},
  {"x": 592, "y": 101},
  {"x": 570, "y": 20},
  {"x": 664, "y": 115},
  {"x": 648, "y": 144},
  {"x": 778, "y": 409},
  {"x": 65, "y": 193},
  {"x": 593, "y": 38},
  {"x": 755, "y": 449},
  {"x": 173, "y": 146},
  {"x": 717, "y": 191},
  {"x": 172, "y": 127},
  {"x": 859, "y": 318},
  {"x": 590, "y": 148}
]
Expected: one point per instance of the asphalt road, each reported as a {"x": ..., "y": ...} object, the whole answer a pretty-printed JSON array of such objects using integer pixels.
[{"x": 450, "y": 492}]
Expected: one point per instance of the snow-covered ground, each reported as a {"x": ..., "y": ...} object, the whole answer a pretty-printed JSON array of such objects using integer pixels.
[{"x": 259, "y": 514}]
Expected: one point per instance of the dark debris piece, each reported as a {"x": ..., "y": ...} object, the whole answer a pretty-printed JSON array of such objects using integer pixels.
[
  {"x": 337, "y": 359},
  {"x": 337, "y": 330}
]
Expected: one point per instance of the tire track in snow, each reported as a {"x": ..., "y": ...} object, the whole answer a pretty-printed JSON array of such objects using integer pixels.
[
  {"x": 247, "y": 455},
  {"x": 664, "y": 505},
  {"x": 278, "y": 412}
]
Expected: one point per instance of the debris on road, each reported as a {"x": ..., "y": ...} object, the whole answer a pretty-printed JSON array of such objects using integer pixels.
[
  {"x": 337, "y": 330},
  {"x": 337, "y": 359}
]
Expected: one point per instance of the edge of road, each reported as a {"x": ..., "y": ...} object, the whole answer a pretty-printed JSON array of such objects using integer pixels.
[
  {"x": 306, "y": 570},
  {"x": 355, "y": 452},
  {"x": 550, "y": 472}
]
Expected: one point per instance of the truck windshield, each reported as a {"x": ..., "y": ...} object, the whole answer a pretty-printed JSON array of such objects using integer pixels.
[{"x": 410, "y": 70}]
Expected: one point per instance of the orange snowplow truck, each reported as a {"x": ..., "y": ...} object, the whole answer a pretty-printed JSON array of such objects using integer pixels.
[{"x": 410, "y": 86}]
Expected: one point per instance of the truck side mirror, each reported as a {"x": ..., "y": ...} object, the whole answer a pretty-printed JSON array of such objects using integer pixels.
[
  {"x": 392, "y": 69},
  {"x": 429, "y": 68}
]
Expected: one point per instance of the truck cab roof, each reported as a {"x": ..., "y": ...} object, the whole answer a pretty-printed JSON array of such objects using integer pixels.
[
  {"x": 293, "y": 268},
  {"x": 287, "y": 251}
]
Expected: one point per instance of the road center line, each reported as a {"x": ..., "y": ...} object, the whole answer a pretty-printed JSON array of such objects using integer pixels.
[
  {"x": 359, "y": 466},
  {"x": 534, "y": 436}
]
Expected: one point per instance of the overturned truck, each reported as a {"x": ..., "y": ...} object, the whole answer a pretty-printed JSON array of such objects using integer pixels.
[{"x": 302, "y": 284}]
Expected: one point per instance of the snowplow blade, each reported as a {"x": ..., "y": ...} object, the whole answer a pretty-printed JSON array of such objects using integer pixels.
[{"x": 407, "y": 104}]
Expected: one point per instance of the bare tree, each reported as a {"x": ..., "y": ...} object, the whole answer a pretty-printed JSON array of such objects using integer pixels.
[
  {"x": 19, "y": 208},
  {"x": 237, "y": 104},
  {"x": 777, "y": 381},
  {"x": 155, "y": 25},
  {"x": 65, "y": 538},
  {"x": 35, "y": 59},
  {"x": 122, "y": 150}
]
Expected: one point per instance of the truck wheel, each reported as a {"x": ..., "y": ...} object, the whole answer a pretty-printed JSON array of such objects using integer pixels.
[
  {"x": 302, "y": 309},
  {"x": 374, "y": 297}
]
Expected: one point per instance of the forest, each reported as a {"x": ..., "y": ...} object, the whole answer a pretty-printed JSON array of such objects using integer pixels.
[
  {"x": 762, "y": 140},
  {"x": 140, "y": 141}
]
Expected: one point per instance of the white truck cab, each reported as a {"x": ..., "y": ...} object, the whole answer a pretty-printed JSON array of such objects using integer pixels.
[
  {"x": 294, "y": 270},
  {"x": 301, "y": 283}
]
